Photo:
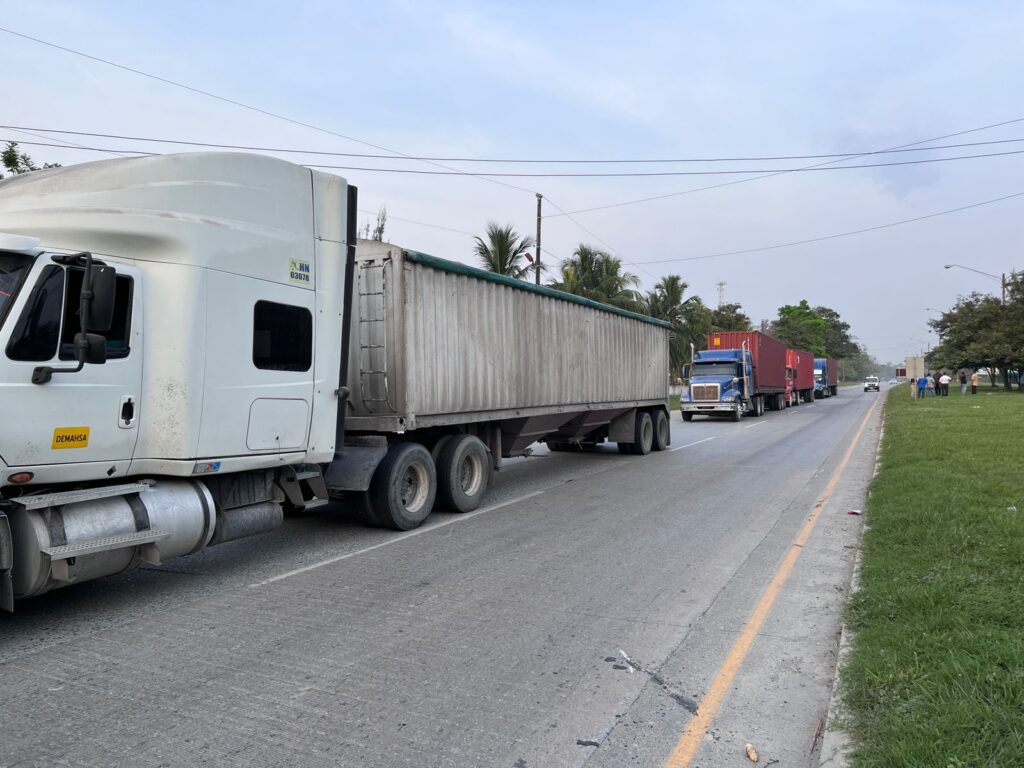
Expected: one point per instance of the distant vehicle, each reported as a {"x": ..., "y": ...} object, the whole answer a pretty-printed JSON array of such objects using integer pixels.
[
  {"x": 826, "y": 377},
  {"x": 893, "y": 381},
  {"x": 871, "y": 383}
]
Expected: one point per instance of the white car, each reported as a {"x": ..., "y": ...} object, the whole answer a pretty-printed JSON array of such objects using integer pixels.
[{"x": 871, "y": 383}]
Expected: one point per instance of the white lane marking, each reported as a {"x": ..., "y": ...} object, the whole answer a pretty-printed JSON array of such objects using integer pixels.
[
  {"x": 751, "y": 426},
  {"x": 698, "y": 442},
  {"x": 396, "y": 539},
  {"x": 811, "y": 405}
]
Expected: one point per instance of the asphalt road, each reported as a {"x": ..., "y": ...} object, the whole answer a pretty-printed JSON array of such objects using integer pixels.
[{"x": 580, "y": 617}]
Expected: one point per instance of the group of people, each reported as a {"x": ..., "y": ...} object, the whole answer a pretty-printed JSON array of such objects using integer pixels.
[{"x": 937, "y": 384}]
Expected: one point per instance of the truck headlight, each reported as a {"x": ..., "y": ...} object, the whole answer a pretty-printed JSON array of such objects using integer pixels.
[{"x": 729, "y": 399}]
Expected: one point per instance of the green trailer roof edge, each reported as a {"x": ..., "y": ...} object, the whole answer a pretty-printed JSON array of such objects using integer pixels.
[{"x": 464, "y": 269}]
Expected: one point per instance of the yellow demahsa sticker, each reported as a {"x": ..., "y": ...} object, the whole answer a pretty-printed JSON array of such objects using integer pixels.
[{"x": 70, "y": 437}]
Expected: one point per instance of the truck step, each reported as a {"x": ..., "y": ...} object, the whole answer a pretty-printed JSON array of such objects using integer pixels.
[
  {"x": 314, "y": 503},
  {"x": 43, "y": 500},
  {"x": 92, "y": 546}
]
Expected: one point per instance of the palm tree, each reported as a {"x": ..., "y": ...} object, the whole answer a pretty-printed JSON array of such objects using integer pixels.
[
  {"x": 503, "y": 251},
  {"x": 597, "y": 275},
  {"x": 690, "y": 318}
]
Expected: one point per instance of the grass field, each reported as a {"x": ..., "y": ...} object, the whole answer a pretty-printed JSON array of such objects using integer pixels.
[{"x": 936, "y": 675}]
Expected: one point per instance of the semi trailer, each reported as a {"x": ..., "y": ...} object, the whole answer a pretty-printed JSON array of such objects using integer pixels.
[
  {"x": 740, "y": 372},
  {"x": 826, "y": 377},
  {"x": 194, "y": 344}
]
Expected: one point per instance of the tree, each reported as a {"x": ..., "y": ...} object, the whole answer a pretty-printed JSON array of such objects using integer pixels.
[
  {"x": 18, "y": 162},
  {"x": 980, "y": 331},
  {"x": 504, "y": 251},
  {"x": 689, "y": 317},
  {"x": 838, "y": 342},
  {"x": 800, "y": 327},
  {"x": 730, "y": 317},
  {"x": 597, "y": 275}
]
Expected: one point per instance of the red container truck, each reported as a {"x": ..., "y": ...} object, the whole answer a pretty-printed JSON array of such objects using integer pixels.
[
  {"x": 740, "y": 372},
  {"x": 799, "y": 376}
]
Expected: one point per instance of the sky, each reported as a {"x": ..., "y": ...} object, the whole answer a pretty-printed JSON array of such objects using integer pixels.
[{"x": 593, "y": 80}]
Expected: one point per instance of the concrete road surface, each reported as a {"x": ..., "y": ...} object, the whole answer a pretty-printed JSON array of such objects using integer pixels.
[{"x": 580, "y": 618}]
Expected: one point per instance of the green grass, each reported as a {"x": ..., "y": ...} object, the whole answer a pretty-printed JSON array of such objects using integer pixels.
[
  {"x": 673, "y": 403},
  {"x": 936, "y": 673}
]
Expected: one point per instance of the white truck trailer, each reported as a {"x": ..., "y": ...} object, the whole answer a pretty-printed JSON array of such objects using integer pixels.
[{"x": 193, "y": 344}]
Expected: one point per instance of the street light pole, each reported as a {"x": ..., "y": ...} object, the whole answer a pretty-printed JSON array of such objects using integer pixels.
[
  {"x": 537, "y": 263},
  {"x": 1000, "y": 278}
]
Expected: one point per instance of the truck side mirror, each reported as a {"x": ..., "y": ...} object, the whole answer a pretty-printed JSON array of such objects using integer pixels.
[
  {"x": 103, "y": 281},
  {"x": 684, "y": 372},
  {"x": 91, "y": 348}
]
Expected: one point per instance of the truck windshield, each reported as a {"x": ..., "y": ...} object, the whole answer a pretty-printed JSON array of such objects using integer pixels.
[
  {"x": 714, "y": 369},
  {"x": 13, "y": 269}
]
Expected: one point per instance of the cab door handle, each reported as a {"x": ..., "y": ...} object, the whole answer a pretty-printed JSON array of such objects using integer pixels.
[{"x": 126, "y": 418}]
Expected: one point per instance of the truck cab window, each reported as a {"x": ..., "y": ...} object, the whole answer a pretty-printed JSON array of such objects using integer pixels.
[
  {"x": 14, "y": 267},
  {"x": 117, "y": 336},
  {"x": 282, "y": 337},
  {"x": 37, "y": 333}
]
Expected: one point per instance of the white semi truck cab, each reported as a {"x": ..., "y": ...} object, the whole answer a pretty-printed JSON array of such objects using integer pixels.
[
  {"x": 174, "y": 355},
  {"x": 218, "y": 340}
]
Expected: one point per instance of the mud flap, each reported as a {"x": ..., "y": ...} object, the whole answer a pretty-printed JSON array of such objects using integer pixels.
[
  {"x": 6, "y": 564},
  {"x": 353, "y": 468}
]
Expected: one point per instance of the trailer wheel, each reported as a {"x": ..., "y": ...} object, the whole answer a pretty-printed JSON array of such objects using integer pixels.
[
  {"x": 643, "y": 436},
  {"x": 687, "y": 416},
  {"x": 403, "y": 488},
  {"x": 462, "y": 474},
  {"x": 662, "y": 437}
]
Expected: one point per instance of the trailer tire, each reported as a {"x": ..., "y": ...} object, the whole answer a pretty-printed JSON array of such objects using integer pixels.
[
  {"x": 435, "y": 452},
  {"x": 404, "y": 486},
  {"x": 462, "y": 474},
  {"x": 662, "y": 434},
  {"x": 687, "y": 416},
  {"x": 643, "y": 436}
]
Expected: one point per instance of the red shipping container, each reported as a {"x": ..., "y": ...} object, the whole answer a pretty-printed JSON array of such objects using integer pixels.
[
  {"x": 768, "y": 354},
  {"x": 802, "y": 363}
]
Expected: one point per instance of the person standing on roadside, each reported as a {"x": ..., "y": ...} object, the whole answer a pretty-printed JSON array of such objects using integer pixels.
[
  {"x": 913, "y": 388},
  {"x": 922, "y": 387},
  {"x": 944, "y": 380},
  {"x": 963, "y": 382},
  {"x": 929, "y": 385},
  {"x": 974, "y": 383}
]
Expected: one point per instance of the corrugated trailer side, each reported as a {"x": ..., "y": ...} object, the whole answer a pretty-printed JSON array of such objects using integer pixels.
[
  {"x": 768, "y": 354},
  {"x": 833, "y": 371},
  {"x": 442, "y": 343}
]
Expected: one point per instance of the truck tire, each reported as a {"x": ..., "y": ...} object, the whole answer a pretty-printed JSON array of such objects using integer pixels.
[
  {"x": 462, "y": 474},
  {"x": 687, "y": 416},
  {"x": 662, "y": 434},
  {"x": 736, "y": 415},
  {"x": 643, "y": 435},
  {"x": 403, "y": 488}
]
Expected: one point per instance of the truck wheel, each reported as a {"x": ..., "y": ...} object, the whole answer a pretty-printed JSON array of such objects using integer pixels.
[
  {"x": 662, "y": 435},
  {"x": 736, "y": 415},
  {"x": 643, "y": 435},
  {"x": 687, "y": 416},
  {"x": 462, "y": 474},
  {"x": 403, "y": 487}
]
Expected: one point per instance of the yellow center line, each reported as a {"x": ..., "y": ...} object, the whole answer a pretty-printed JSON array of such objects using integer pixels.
[{"x": 690, "y": 742}]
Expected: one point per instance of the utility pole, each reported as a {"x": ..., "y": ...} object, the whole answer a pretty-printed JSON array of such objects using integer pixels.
[
  {"x": 1003, "y": 284},
  {"x": 721, "y": 293},
  {"x": 536, "y": 264}
]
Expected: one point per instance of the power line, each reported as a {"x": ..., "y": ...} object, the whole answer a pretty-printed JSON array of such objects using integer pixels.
[
  {"x": 249, "y": 107},
  {"x": 837, "y": 235},
  {"x": 551, "y": 161},
  {"x": 778, "y": 173},
  {"x": 627, "y": 174}
]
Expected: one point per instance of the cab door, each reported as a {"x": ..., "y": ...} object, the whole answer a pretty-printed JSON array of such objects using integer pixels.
[{"x": 91, "y": 416}]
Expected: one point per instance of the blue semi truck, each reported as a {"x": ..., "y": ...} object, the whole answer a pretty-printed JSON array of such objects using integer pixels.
[
  {"x": 826, "y": 377},
  {"x": 741, "y": 372}
]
